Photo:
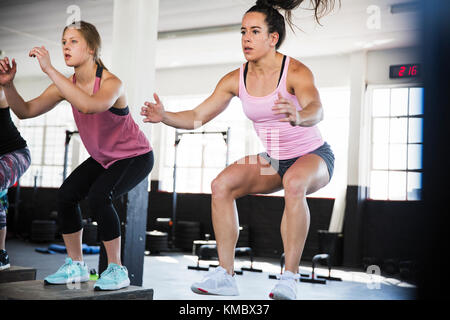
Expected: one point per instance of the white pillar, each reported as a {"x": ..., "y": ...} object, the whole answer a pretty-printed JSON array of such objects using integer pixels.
[
  {"x": 357, "y": 143},
  {"x": 135, "y": 30},
  {"x": 358, "y": 153}
]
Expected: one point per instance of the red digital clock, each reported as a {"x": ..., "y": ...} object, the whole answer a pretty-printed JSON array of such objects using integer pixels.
[{"x": 404, "y": 71}]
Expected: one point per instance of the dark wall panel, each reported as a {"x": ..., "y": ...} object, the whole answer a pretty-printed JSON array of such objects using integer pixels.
[
  {"x": 261, "y": 213},
  {"x": 392, "y": 229}
]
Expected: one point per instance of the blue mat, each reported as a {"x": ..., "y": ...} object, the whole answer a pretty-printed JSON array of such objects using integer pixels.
[{"x": 57, "y": 248}]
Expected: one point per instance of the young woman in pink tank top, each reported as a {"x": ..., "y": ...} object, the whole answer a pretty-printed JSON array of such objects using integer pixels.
[
  {"x": 279, "y": 96},
  {"x": 120, "y": 154}
]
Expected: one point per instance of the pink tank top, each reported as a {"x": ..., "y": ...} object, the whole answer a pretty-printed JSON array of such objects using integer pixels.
[
  {"x": 110, "y": 135},
  {"x": 281, "y": 140}
]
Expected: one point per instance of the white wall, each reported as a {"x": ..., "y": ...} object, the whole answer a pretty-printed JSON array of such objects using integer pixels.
[
  {"x": 378, "y": 63},
  {"x": 329, "y": 71}
]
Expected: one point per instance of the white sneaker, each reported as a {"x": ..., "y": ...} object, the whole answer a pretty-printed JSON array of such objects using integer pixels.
[
  {"x": 286, "y": 288},
  {"x": 216, "y": 282}
]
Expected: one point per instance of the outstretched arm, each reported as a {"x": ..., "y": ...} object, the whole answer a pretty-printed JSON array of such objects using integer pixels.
[
  {"x": 45, "y": 102},
  {"x": 102, "y": 100},
  {"x": 225, "y": 90}
]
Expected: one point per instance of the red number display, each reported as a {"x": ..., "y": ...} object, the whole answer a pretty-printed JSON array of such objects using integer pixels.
[{"x": 404, "y": 71}]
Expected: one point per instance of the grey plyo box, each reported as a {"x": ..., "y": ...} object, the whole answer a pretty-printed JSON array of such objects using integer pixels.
[
  {"x": 16, "y": 273},
  {"x": 37, "y": 290}
]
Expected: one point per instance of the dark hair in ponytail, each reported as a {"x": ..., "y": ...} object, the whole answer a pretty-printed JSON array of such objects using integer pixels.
[{"x": 276, "y": 21}]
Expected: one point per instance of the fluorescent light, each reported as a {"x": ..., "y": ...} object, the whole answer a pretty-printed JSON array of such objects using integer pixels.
[{"x": 405, "y": 7}]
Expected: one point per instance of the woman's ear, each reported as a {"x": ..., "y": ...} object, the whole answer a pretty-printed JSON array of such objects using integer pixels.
[{"x": 274, "y": 37}]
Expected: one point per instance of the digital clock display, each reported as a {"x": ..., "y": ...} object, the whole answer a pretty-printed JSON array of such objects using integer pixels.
[{"x": 404, "y": 71}]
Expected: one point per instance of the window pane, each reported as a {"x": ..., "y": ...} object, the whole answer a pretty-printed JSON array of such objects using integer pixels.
[
  {"x": 33, "y": 136},
  {"x": 28, "y": 178},
  {"x": 397, "y": 156},
  {"x": 215, "y": 151},
  {"x": 190, "y": 151},
  {"x": 414, "y": 156},
  {"x": 415, "y": 101},
  {"x": 398, "y": 130},
  {"x": 379, "y": 185},
  {"x": 208, "y": 177},
  {"x": 54, "y": 145},
  {"x": 399, "y": 102},
  {"x": 415, "y": 130},
  {"x": 381, "y": 99},
  {"x": 380, "y": 131},
  {"x": 414, "y": 186},
  {"x": 380, "y": 156},
  {"x": 397, "y": 185},
  {"x": 51, "y": 176},
  {"x": 189, "y": 180}
]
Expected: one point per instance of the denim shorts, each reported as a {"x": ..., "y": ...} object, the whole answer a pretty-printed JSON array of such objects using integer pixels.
[{"x": 281, "y": 166}]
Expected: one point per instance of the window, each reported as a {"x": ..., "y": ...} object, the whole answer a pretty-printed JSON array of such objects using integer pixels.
[
  {"x": 45, "y": 136},
  {"x": 396, "y": 157}
]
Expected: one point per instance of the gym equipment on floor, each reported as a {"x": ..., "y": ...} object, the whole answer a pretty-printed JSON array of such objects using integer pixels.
[
  {"x": 57, "y": 248},
  {"x": 204, "y": 252},
  {"x": 196, "y": 244},
  {"x": 320, "y": 279},
  {"x": 209, "y": 251},
  {"x": 277, "y": 276},
  {"x": 239, "y": 251},
  {"x": 185, "y": 234},
  {"x": 156, "y": 241}
]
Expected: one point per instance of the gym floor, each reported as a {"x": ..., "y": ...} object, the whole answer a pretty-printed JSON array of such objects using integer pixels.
[{"x": 170, "y": 278}]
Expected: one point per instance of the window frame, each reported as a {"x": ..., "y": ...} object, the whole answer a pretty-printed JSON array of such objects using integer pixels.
[{"x": 370, "y": 94}]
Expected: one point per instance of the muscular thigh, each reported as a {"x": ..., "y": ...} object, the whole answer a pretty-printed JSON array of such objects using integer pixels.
[
  {"x": 250, "y": 175},
  {"x": 310, "y": 170}
]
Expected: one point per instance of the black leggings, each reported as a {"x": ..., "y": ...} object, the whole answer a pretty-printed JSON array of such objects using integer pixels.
[{"x": 101, "y": 186}]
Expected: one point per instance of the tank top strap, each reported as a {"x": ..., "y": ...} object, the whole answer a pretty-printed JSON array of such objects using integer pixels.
[
  {"x": 285, "y": 71},
  {"x": 98, "y": 78}
]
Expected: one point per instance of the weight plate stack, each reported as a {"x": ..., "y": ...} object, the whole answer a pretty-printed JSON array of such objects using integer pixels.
[
  {"x": 156, "y": 241},
  {"x": 43, "y": 230},
  {"x": 185, "y": 233},
  {"x": 163, "y": 224}
]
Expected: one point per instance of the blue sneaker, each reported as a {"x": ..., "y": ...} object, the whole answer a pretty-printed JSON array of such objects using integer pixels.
[
  {"x": 115, "y": 277},
  {"x": 69, "y": 272}
]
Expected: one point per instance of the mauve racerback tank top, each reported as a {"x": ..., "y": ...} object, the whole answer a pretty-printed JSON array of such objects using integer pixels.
[
  {"x": 281, "y": 140},
  {"x": 110, "y": 135}
]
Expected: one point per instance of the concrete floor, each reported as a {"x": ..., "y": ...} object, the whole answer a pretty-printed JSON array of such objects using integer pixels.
[{"x": 168, "y": 275}]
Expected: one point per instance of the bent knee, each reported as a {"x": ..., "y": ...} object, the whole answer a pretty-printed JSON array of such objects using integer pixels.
[
  {"x": 295, "y": 187},
  {"x": 66, "y": 193},
  {"x": 96, "y": 199},
  {"x": 220, "y": 188}
]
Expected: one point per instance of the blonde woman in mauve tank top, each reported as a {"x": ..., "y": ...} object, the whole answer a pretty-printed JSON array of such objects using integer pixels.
[
  {"x": 278, "y": 94},
  {"x": 120, "y": 154}
]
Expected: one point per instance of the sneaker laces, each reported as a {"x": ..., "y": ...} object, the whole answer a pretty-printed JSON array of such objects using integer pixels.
[
  {"x": 111, "y": 271},
  {"x": 66, "y": 266}
]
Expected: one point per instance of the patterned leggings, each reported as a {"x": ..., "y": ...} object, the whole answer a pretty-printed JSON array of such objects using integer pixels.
[{"x": 12, "y": 166}]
